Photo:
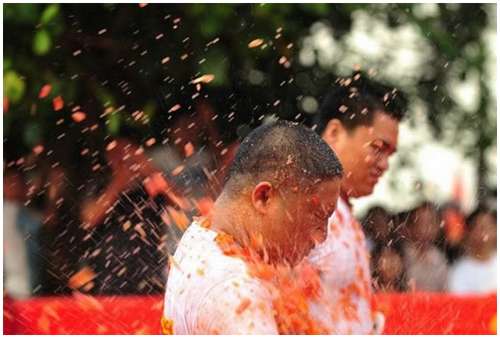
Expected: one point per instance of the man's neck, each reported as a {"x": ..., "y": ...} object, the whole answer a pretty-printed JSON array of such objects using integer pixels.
[
  {"x": 345, "y": 197},
  {"x": 231, "y": 218},
  {"x": 226, "y": 218}
]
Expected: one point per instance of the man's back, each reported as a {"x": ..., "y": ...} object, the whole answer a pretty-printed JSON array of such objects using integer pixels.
[
  {"x": 344, "y": 269},
  {"x": 209, "y": 292},
  {"x": 203, "y": 277}
]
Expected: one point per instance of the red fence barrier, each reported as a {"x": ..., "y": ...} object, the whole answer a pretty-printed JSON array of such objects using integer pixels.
[
  {"x": 426, "y": 313},
  {"x": 415, "y": 313}
]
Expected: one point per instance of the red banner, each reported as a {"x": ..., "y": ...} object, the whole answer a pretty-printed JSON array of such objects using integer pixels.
[
  {"x": 426, "y": 313},
  {"x": 415, "y": 313}
]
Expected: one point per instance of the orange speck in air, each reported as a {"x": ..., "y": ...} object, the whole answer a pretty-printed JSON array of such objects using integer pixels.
[
  {"x": 81, "y": 278},
  {"x": 255, "y": 43},
  {"x": 111, "y": 145},
  {"x": 38, "y": 149},
  {"x": 78, "y": 116},
  {"x": 177, "y": 170},
  {"x": 44, "y": 91},
  {"x": 58, "y": 103},
  {"x": 188, "y": 149}
]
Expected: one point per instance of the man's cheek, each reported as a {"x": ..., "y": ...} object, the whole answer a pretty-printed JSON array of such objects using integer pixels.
[{"x": 370, "y": 161}]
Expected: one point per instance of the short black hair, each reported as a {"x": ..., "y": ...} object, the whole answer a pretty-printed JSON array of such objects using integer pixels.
[
  {"x": 373, "y": 212},
  {"x": 425, "y": 205},
  {"x": 481, "y": 209},
  {"x": 282, "y": 152},
  {"x": 355, "y": 99}
]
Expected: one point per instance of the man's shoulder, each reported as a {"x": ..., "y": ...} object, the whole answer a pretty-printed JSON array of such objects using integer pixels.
[
  {"x": 200, "y": 262},
  {"x": 203, "y": 282},
  {"x": 198, "y": 249},
  {"x": 342, "y": 213}
]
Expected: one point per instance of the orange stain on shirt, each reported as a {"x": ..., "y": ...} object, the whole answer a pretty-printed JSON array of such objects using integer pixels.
[
  {"x": 245, "y": 303},
  {"x": 167, "y": 326}
]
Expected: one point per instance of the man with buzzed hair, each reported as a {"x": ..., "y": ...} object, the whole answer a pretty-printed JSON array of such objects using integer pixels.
[
  {"x": 282, "y": 186},
  {"x": 359, "y": 120}
]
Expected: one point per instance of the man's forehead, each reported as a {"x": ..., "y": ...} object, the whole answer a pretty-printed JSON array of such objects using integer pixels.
[
  {"x": 307, "y": 188},
  {"x": 385, "y": 128}
]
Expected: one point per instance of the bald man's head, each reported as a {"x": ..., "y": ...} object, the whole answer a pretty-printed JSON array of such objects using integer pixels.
[
  {"x": 282, "y": 187},
  {"x": 282, "y": 153}
]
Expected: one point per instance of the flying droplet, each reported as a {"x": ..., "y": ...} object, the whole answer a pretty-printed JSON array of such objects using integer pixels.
[
  {"x": 58, "y": 103},
  {"x": 78, "y": 116},
  {"x": 38, "y": 149},
  {"x": 150, "y": 142},
  {"x": 175, "y": 108},
  {"x": 177, "y": 170},
  {"x": 188, "y": 149},
  {"x": 111, "y": 145},
  {"x": 207, "y": 78},
  {"x": 45, "y": 91},
  {"x": 255, "y": 43}
]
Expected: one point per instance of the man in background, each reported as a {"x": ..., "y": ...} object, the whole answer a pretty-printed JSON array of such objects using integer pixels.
[{"x": 359, "y": 119}]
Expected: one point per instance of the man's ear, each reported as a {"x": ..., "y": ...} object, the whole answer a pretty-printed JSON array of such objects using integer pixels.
[
  {"x": 262, "y": 194},
  {"x": 332, "y": 132}
]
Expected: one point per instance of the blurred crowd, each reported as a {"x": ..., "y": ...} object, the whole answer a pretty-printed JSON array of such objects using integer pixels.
[
  {"x": 113, "y": 232},
  {"x": 107, "y": 224},
  {"x": 433, "y": 248},
  {"x": 121, "y": 241}
]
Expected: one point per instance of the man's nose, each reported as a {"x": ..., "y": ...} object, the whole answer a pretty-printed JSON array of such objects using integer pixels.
[{"x": 383, "y": 164}]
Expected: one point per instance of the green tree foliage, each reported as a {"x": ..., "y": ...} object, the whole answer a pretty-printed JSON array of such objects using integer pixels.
[{"x": 111, "y": 60}]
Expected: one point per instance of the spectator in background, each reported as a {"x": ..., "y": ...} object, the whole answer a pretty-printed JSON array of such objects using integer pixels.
[
  {"x": 426, "y": 266},
  {"x": 128, "y": 225},
  {"x": 196, "y": 146},
  {"x": 385, "y": 250},
  {"x": 30, "y": 220},
  {"x": 400, "y": 221},
  {"x": 378, "y": 226},
  {"x": 16, "y": 268},
  {"x": 359, "y": 119},
  {"x": 476, "y": 272},
  {"x": 20, "y": 202},
  {"x": 60, "y": 233},
  {"x": 454, "y": 229},
  {"x": 388, "y": 270},
  {"x": 184, "y": 158}
]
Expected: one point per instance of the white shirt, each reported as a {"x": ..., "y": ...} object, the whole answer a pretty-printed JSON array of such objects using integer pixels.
[
  {"x": 16, "y": 267},
  {"x": 469, "y": 275},
  {"x": 343, "y": 262},
  {"x": 209, "y": 292},
  {"x": 428, "y": 270},
  {"x": 205, "y": 288}
]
